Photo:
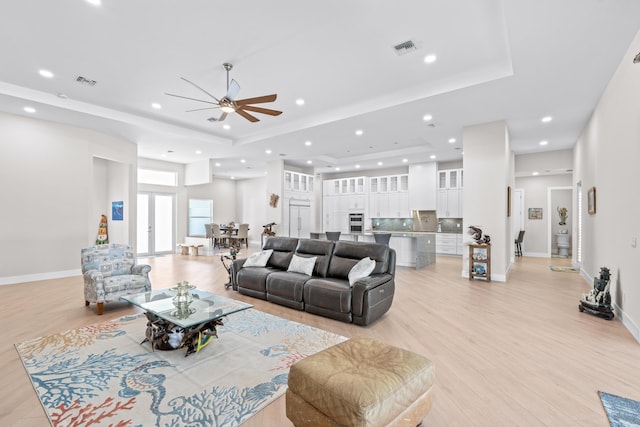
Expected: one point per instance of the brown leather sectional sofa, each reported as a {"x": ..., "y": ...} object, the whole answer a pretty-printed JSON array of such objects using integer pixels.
[{"x": 327, "y": 292}]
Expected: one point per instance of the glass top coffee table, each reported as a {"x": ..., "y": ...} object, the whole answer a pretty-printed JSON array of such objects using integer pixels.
[{"x": 187, "y": 321}]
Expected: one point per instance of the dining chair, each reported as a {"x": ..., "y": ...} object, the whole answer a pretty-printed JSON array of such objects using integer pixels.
[
  {"x": 219, "y": 239},
  {"x": 243, "y": 235},
  {"x": 208, "y": 233},
  {"x": 519, "y": 243}
]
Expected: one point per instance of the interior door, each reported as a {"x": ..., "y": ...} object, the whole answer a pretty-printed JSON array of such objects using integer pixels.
[{"x": 156, "y": 223}]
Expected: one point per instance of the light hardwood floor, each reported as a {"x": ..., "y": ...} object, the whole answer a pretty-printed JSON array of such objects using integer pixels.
[{"x": 506, "y": 354}]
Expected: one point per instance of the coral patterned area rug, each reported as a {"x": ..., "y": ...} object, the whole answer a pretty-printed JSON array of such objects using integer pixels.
[{"x": 101, "y": 375}]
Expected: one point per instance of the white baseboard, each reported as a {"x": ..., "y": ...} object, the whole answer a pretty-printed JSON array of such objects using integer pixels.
[
  {"x": 41, "y": 276},
  {"x": 627, "y": 322},
  {"x": 537, "y": 254}
]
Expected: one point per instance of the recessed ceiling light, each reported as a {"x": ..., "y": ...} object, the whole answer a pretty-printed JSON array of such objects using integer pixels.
[
  {"x": 268, "y": 151},
  {"x": 46, "y": 73},
  {"x": 357, "y": 166},
  {"x": 429, "y": 59},
  {"x": 163, "y": 155},
  {"x": 299, "y": 101},
  {"x": 94, "y": 2},
  {"x": 433, "y": 156},
  {"x": 198, "y": 151},
  {"x": 359, "y": 132},
  {"x": 380, "y": 163},
  {"x": 547, "y": 119},
  {"x": 452, "y": 140},
  {"x": 308, "y": 143},
  {"x": 243, "y": 161},
  {"x": 544, "y": 142},
  {"x": 218, "y": 165},
  {"x": 535, "y": 173},
  {"x": 29, "y": 109},
  {"x": 309, "y": 162},
  {"x": 427, "y": 117},
  {"x": 405, "y": 160},
  {"x": 233, "y": 177},
  {"x": 156, "y": 105},
  {"x": 337, "y": 169},
  {"x": 226, "y": 127}
]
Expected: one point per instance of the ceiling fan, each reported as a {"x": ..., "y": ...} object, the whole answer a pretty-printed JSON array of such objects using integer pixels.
[{"x": 229, "y": 103}]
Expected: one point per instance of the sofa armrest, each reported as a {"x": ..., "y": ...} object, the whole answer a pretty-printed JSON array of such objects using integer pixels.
[
  {"x": 363, "y": 291},
  {"x": 93, "y": 276},
  {"x": 141, "y": 269},
  {"x": 236, "y": 265},
  {"x": 371, "y": 282}
]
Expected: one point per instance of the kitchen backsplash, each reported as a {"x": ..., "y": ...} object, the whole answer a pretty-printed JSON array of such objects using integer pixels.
[
  {"x": 450, "y": 225},
  {"x": 447, "y": 225},
  {"x": 391, "y": 224}
]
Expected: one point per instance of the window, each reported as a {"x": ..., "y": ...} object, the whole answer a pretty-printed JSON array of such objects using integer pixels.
[
  {"x": 200, "y": 213},
  {"x": 148, "y": 176}
]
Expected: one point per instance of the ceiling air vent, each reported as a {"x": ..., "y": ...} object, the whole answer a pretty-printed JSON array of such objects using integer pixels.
[
  {"x": 85, "y": 81},
  {"x": 405, "y": 47}
]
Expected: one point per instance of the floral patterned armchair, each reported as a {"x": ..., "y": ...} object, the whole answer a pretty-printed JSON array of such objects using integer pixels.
[{"x": 110, "y": 271}]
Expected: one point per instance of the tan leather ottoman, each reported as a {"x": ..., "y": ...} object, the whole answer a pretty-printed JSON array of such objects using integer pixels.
[{"x": 360, "y": 382}]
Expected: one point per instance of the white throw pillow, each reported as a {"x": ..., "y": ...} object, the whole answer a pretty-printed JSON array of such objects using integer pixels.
[
  {"x": 302, "y": 265},
  {"x": 258, "y": 259},
  {"x": 363, "y": 268}
]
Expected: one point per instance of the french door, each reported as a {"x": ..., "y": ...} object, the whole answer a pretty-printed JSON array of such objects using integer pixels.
[{"x": 156, "y": 223}]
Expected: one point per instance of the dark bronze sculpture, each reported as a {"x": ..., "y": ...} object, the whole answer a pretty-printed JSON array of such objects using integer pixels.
[{"x": 598, "y": 300}]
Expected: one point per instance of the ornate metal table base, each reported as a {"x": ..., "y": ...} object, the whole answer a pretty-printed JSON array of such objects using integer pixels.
[{"x": 164, "y": 335}]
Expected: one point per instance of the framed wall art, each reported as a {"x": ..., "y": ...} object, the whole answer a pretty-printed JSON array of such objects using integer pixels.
[
  {"x": 591, "y": 200},
  {"x": 535, "y": 213},
  {"x": 116, "y": 211}
]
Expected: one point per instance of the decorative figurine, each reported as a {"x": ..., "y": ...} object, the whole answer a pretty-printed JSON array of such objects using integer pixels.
[
  {"x": 598, "y": 300},
  {"x": 563, "y": 215},
  {"x": 476, "y": 234}
]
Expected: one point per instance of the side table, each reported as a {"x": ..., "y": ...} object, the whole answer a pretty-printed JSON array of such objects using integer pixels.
[{"x": 227, "y": 258}]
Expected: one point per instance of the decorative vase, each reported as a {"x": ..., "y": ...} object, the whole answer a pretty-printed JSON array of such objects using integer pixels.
[{"x": 182, "y": 299}]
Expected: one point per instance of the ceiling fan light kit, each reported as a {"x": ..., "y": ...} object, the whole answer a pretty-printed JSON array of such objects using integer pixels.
[{"x": 229, "y": 104}]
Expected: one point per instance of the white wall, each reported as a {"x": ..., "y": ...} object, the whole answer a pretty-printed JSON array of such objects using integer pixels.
[
  {"x": 606, "y": 157},
  {"x": 47, "y": 192},
  {"x": 252, "y": 202}
]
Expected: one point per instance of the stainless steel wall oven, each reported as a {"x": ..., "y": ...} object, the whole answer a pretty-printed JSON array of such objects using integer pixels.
[{"x": 356, "y": 222}]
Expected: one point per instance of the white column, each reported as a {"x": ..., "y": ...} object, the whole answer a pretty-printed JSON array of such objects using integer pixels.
[{"x": 488, "y": 171}]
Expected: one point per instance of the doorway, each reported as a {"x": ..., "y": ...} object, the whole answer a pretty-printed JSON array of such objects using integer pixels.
[
  {"x": 557, "y": 199},
  {"x": 156, "y": 224}
]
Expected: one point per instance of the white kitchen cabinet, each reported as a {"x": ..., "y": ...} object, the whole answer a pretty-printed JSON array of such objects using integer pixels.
[
  {"x": 296, "y": 183},
  {"x": 356, "y": 202},
  {"x": 450, "y": 203},
  {"x": 449, "y": 178},
  {"x": 449, "y": 244}
]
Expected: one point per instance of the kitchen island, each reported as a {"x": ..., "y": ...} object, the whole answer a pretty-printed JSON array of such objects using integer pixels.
[{"x": 413, "y": 248}]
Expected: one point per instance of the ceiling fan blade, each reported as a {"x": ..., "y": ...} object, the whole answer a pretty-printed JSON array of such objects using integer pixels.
[
  {"x": 261, "y": 110},
  {"x": 234, "y": 88},
  {"x": 247, "y": 115},
  {"x": 192, "y": 99},
  {"x": 257, "y": 100},
  {"x": 201, "y": 109},
  {"x": 192, "y": 83}
]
